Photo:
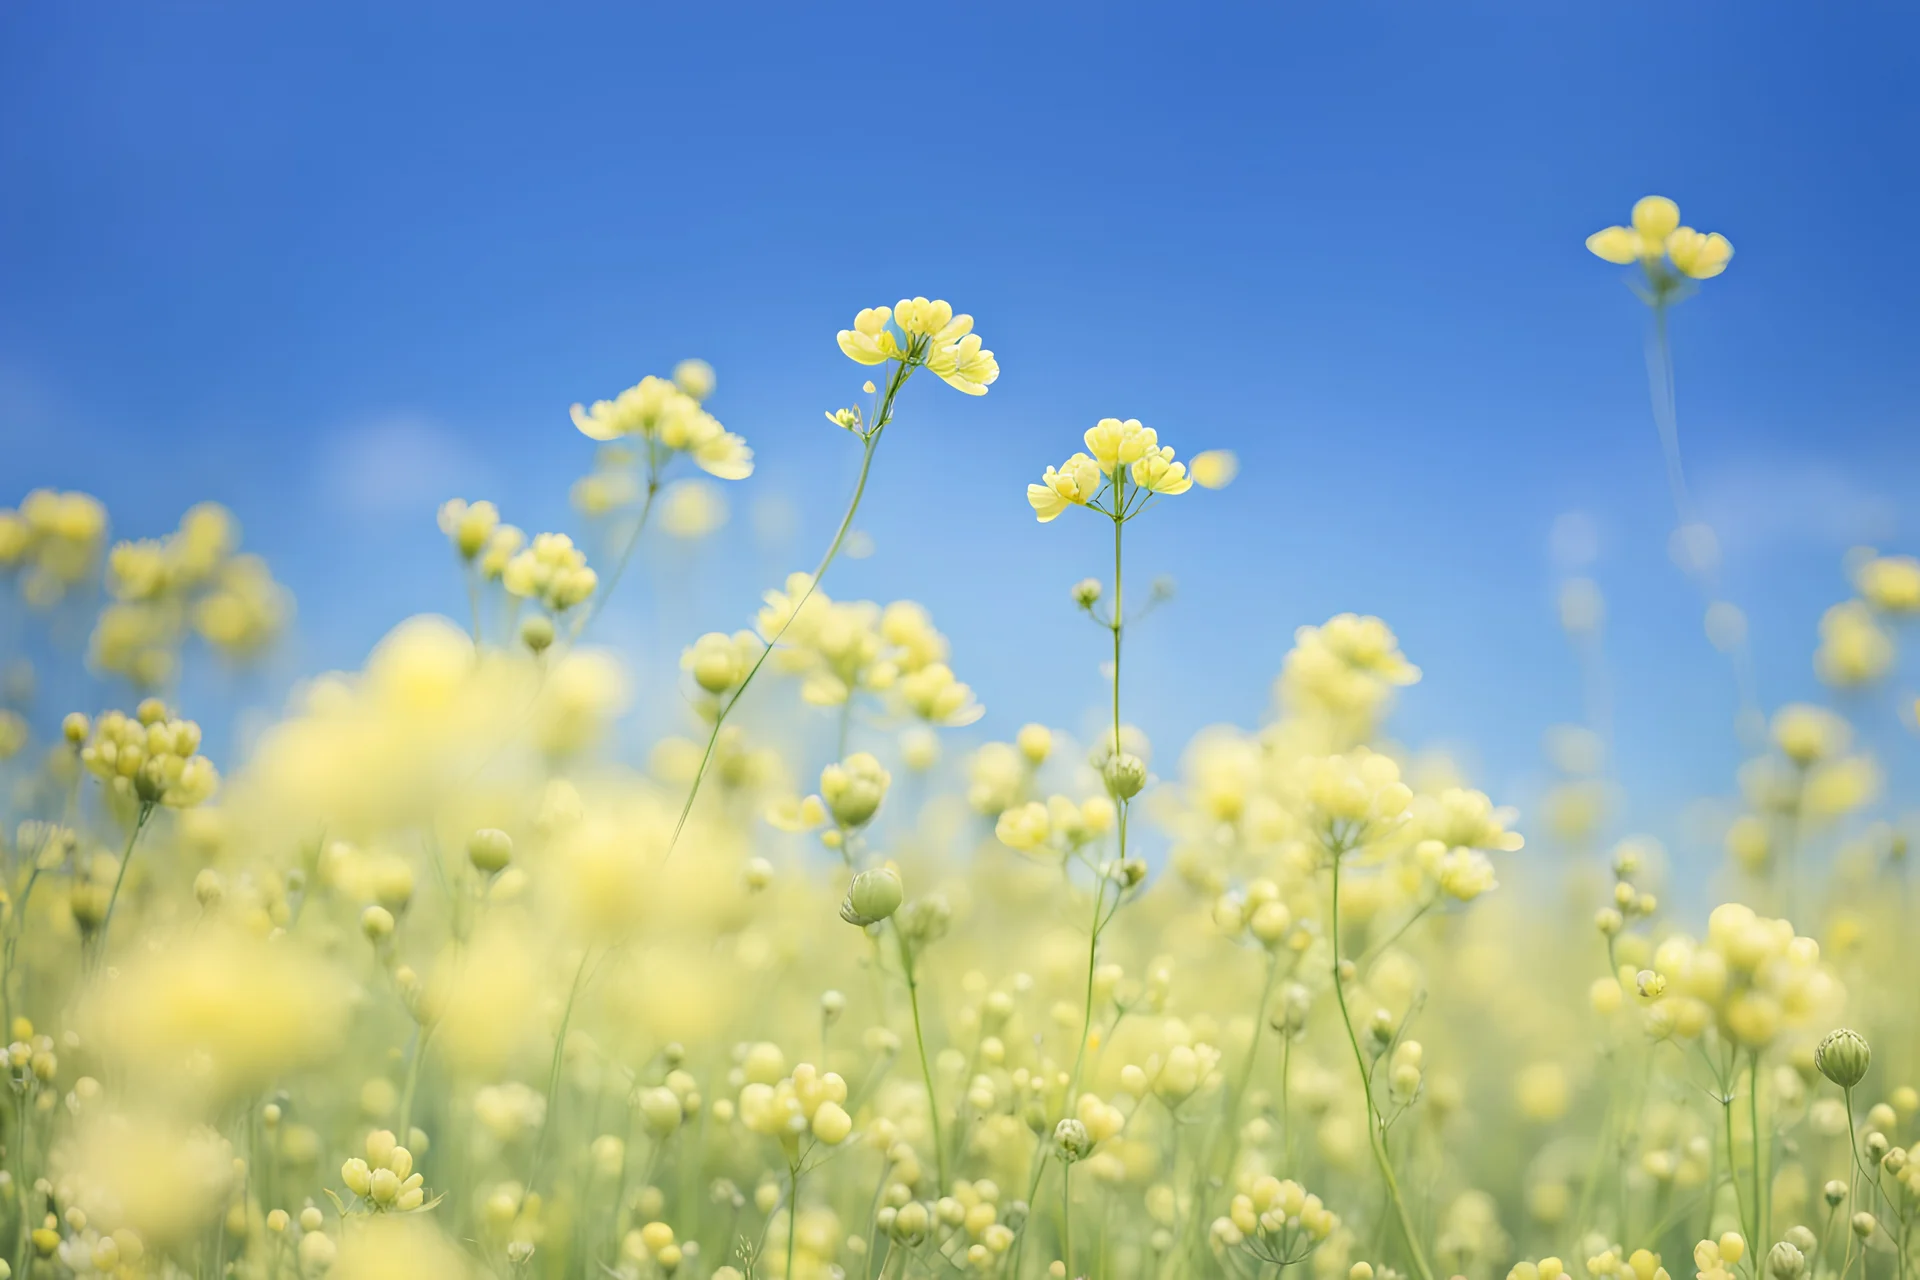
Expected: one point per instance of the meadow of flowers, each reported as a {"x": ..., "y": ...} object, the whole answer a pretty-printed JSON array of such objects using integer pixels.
[{"x": 428, "y": 982}]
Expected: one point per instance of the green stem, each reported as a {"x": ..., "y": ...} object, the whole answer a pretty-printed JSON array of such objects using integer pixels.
[
  {"x": 20, "y": 1182},
  {"x": 120, "y": 878},
  {"x": 901, "y": 373},
  {"x": 553, "y": 1074},
  {"x": 1376, "y": 1140},
  {"x": 1086, "y": 1017},
  {"x": 620, "y": 563},
  {"x": 15, "y": 926},
  {"x": 421, "y": 1036},
  {"x": 1119, "y": 614},
  {"x": 793, "y": 1213},
  {"x": 1066, "y": 1216},
  {"x": 1761, "y": 1202},
  {"x": 1033, "y": 1191},
  {"x": 920, "y": 1042},
  {"x": 1733, "y": 1166}
]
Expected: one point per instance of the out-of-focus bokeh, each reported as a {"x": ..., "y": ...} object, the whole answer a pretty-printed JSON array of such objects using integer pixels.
[{"x": 330, "y": 264}]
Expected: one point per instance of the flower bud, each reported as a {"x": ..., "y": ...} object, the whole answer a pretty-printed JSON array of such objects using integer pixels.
[
  {"x": 1124, "y": 774},
  {"x": 1071, "y": 1140},
  {"x": 537, "y": 632},
  {"x": 377, "y": 923},
  {"x": 1843, "y": 1057},
  {"x": 1784, "y": 1262},
  {"x": 1086, "y": 592},
  {"x": 1035, "y": 742},
  {"x": 854, "y": 788},
  {"x": 356, "y": 1176},
  {"x": 1864, "y": 1223},
  {"x": 489, "y": 849},
  {"x": 874, "y": 895}
]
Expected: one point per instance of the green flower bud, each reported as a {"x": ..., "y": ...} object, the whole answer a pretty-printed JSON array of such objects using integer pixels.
[
  {"x": 1124, "y": 775},
  {"x": 1784, "y": 1262},
  {"x": 537, "y": 632},
  {"x": 854, "y": 788},
  {"x": 927, "y": 919},
  {"x": 1843, "y": 1057},
  {"x": 874, "y": 895},
  {"x": 489, "y": 850},
  {"x": 1071, "y": 1140},
  {"x": 1086, "y": 592}
]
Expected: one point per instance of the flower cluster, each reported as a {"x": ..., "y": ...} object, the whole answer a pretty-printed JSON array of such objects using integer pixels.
[
  {"x": 665, "y": 417},
  {"x": 53, "y": 542},
  {"x": 916, "y": 332},
  {"x": 1658, "y": 242},
  {"x": 150, "y": 757}
]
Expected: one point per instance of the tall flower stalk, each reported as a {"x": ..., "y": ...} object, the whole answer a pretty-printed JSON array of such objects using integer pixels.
[
  {"x": 921, "y": 334},
  {"x": 1671, "y": 258},
  {"x": 1124, "y": 469}
]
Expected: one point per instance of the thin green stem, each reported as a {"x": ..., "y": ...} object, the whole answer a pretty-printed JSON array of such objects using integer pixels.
[
  {"x": 1086, "y": 1017},
  {"x": 1733, "y": 1163},
  {"x": 1066, "y": 1216},
  {"x": 120, "y": 878},
  {"x": 1762, "y": 1197},
  {"x": 871, "y": 441},
  {"x": 1033, "y": 1191},
  {"x": 626, "y": 554},
  {"x": 422, "y": 1034},
  {"x": 920, "y": 1042},
  {"x": 553, "y": 1073},
  {"x": 1376, "y": 1140},
  {"x": 793, "y": 1212}
]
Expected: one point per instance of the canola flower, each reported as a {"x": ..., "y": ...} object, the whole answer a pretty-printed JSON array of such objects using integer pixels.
[
  {"x": 912, "y": 335},
  {"x": 1672, "y": 258},
  {"x": 409, "y": 986}
]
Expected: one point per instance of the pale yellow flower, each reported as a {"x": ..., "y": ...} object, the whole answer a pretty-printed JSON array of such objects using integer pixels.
[
  {"x": 870, "y": 341},
  {"x": 1699, "y": 256},
  {"x": 1214, "y": 468},
  {"x": 1072, "y": 484},
  {"x": 964, "y": 365},
  {"x": 1114, "y": 443},
  {"x": 1656, "y": 233},
  {"x": 1157, "y": 472}
]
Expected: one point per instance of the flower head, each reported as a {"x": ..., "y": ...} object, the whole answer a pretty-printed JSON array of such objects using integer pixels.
[
  {"x": 1657, "y": 241},
  {"x": 1071, "y": 484}
]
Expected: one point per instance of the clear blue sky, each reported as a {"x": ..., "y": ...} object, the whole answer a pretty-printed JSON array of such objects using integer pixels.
[{"x": 330, "y": 263}]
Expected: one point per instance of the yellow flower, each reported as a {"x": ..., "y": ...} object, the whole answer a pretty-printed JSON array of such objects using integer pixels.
[
  {"x": 1072, "y": 483},
  {"x": 935, "y": 696},
  {"x": 935, "y": 337},
  {"x": 964, "y": 365},
  {"x": 921, "y": 318},
  {"x": 1854, "y": 649},
  {"x": 1656, "y": 233},
  {"x": 1214, "y": 469},
  {"x": 1890, "y": 584},
  {"x": 1114, "y": 443},
  {"x": 870, "y": 341},
  {"x": 1699, "y": 256},
  {"x": 658, "y": 410},
  {"x": 1157, "y": 472}
]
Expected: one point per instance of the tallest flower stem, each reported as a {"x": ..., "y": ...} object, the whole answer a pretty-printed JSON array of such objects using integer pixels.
[
  {"x": 871, "y": 440},
  {"x": 1375, "y": 1137}
]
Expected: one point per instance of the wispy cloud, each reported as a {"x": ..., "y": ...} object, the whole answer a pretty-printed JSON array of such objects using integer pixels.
[
  {"x": 395, "y": 466},
  {"x": 1763, "y": 505}
]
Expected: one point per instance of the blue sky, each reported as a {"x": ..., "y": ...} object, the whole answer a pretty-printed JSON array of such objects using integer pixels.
[{"x": 330, "y": 263}]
